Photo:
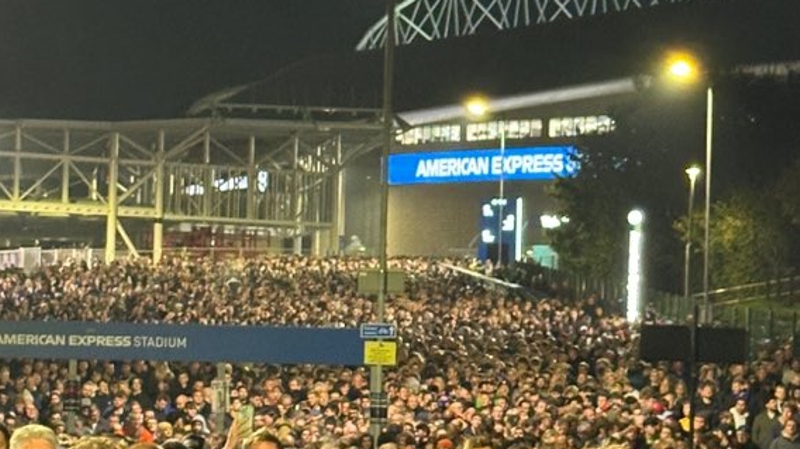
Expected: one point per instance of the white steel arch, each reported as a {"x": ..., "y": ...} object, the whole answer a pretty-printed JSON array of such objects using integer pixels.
[{"x": 428, "y": 20}]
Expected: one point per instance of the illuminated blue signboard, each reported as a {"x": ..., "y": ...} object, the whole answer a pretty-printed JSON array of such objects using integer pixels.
[
  {"x": 515, "y": 164},
  {"x": 189, "y": 342}
]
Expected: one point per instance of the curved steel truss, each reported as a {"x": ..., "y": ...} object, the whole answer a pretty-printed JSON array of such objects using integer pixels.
[{"x": 429, "y": 20}]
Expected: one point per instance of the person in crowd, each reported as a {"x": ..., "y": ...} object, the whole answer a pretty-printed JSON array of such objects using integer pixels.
[
  {"x": 787, "y": 439},
  {"x": 765, "y": 423},
  {"x": 33, "y": 436},
  {"x": 5, "y": 436},
  {"x": 478, "y": 364}
]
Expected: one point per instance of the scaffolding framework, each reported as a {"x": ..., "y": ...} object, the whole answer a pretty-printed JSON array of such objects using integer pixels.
[
  {"x": 430, "y": 20},
  {"x": 281, "y": 175}
]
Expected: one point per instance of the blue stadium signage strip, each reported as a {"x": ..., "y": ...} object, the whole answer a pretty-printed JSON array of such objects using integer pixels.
[
  {"x": 515, "y": 164},
  {"x": 126, "y": 341}
]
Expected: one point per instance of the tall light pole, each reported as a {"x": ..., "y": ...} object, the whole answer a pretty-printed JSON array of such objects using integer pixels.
[
  {"x": 692, "y": 172},
  {"x": 478, "y": 107},
  {"x": 683, "y": 67},
  {"x": 707, "y": 218},
  {"x": 377, "y": 394},
  {"x": 502, "y": 192}
]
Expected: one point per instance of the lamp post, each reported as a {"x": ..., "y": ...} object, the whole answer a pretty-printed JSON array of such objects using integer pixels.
[
  {"x": 376, "y": 387},
  {"x": 692, "y": 172},
  {"x": 478, "y": 107},
  {"x": 684, "y": 68}
]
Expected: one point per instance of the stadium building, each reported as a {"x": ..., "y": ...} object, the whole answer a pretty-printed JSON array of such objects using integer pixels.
[{"x": 291, "y": 162}]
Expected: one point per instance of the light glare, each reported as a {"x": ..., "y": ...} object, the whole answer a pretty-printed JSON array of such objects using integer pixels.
[
  {"x": 681, "y": 69},
  {"x": 477, "y": 107},
  {"x": 635, "y": 217},
  {"x": 693, "y": 172}
]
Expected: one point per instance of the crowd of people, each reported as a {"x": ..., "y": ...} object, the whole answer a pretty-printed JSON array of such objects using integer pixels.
[{"x": 479, "y": 366}]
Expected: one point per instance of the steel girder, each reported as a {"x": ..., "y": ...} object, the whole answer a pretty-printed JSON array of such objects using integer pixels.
[
  {"x": 282, "y": 175},
  {"x": 429, "y": 20}
]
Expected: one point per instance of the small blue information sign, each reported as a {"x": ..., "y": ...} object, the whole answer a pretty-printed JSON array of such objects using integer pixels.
[{"x": 378, "y": 330}]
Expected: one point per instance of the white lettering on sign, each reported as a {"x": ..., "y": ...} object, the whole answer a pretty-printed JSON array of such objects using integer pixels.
[
  {"x": 33, "y": 339},
  {"x": 102, "y": 341},
  {"x": 95, "y": 341},
  {"x": 159, "y": 342},
  {"x": 449, "y": 167},
  {"x": 527, "y": 164}
]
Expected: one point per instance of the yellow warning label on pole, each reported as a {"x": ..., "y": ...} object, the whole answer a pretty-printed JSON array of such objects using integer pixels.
[{"x": 381, "y": 353}]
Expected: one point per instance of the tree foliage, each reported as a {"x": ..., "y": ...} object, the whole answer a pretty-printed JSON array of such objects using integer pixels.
[
  {"x": 636, "y": 167},
  {"x": 750, "y": 239},
  {"x": 642, "y": 165}
]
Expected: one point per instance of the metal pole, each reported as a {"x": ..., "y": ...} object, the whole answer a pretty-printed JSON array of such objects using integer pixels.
[
  {"x": 692, "y": 375},
  {"x": 111, "y": 220},
  {"x": 501, "y": 192},
  {"x": 687, "y": 257},
  {"x": 158, "y": 223},
  {"x": 376, "y": 372},
  {"x": 65, "y": 170},
  {"x": 709, "y": 149},
  {"x": 337, "y": 230}
]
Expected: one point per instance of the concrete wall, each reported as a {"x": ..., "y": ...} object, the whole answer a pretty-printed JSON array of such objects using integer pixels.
[{"x": 443, "y": 219}]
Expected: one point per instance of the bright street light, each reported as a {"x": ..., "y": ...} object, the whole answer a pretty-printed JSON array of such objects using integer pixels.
[
  {"x": 477, "y": 107},
  {"x": 683, "y": 67}
]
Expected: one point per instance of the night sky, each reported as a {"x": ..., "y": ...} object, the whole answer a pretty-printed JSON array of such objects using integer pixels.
[
  {"x": 153, "y": 58},
  {"x": 131, "y": 59}
]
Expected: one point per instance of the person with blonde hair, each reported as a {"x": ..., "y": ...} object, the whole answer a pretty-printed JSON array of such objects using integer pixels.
[
  {"x": 33, "y": 436},
  {"x": 96, "y": 442}
]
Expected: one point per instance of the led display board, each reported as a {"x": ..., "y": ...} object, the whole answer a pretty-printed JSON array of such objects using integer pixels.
[
  {"x": 501, "y": 230},
  {"x": 543, "y": 163}
]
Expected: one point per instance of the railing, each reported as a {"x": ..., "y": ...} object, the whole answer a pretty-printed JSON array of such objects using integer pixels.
[
  {"x": 28, "y": 259},
  {"x": 766, "y": 318},
  {"x": 786, "y": 290}
]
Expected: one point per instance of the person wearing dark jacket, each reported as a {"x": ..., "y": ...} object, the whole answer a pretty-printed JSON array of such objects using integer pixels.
[
  {"x": 788, "y": 437},
  {"x": 764, "y": 423}
]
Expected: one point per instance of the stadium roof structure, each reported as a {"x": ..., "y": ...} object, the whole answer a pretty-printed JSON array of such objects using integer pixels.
[{"x": 518, "y": 62}]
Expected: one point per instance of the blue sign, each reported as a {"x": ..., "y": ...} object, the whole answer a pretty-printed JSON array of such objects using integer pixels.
[
  {"x": 191, "y": 342},
  {"x": 515, "y": 164},
  {"x": 378, "y": 330}
]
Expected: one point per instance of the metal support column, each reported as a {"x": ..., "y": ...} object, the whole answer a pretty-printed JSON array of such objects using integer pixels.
[
  {"x": 113, "y": 179},
  {"x": 252, "y": 179},
  {"x": 208, "y": 181},
  {"x": 158, "y": 223},
  {"x": 15, "y": 193},
  {"x": 707, "y": 214},
  {"x": 65, "y": 170},
  {"x": 72, "y": 377},
  {"x": 376, "y": 388},
  {"x": 297, "y": 205},
  {"x": 337, "y": 212},
  {"x": 219, "y": 404}
]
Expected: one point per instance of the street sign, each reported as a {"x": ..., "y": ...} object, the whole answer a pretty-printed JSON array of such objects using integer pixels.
[
  {"x": 380, "y": 353},
  {"x": 378, "y": 330}
]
